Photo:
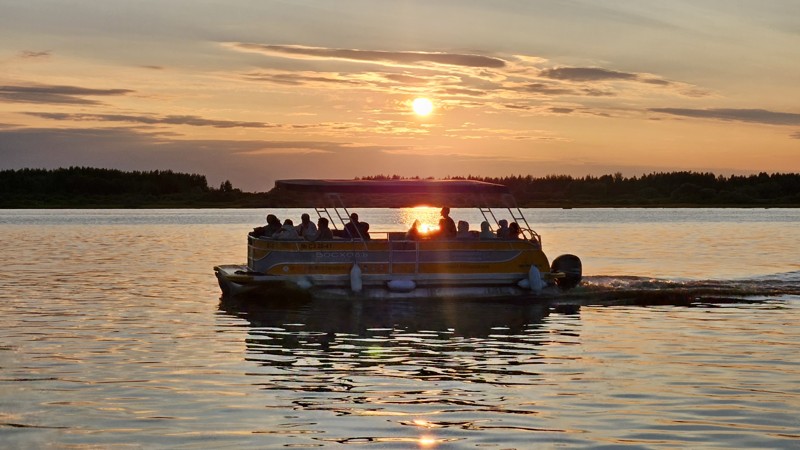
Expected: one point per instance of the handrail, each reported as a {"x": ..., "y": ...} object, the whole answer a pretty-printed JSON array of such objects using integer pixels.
[
  {"x": 334, "y": 197},
  {"x": 511, "y": 205}
]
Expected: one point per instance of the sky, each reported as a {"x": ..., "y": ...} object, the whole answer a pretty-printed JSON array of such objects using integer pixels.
[{"x": 256, "y": 90}]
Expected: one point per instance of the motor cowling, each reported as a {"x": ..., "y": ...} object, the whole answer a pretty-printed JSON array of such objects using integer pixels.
[{"x": 571, "y": 266}]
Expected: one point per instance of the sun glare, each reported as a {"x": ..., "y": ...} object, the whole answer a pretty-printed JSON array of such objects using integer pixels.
[
  {"x": 422, "y": 106},
  {"x": 427, "y": 229}
]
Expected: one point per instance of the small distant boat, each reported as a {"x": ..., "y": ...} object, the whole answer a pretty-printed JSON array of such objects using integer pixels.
[{"x": 396, "y": 264}]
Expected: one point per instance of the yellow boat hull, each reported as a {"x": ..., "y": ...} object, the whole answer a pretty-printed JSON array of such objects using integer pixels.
[{"x": 390, "y": 268}]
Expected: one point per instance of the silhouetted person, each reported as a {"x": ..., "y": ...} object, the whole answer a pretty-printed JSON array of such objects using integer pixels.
[
  {"x": 363, "y": 227},
  {"x": 447, "y": 228},
  {"x": 514, "y": 230},
  {"x": 324, "y": 233},
  {"x": 287, "y": 232},
  {"x": 355, "y": 229},
  {"x": 273, "y": 226},
  {"x": 502, "y": 231},
  {"x": 463, "y": 230},
  {"x": 306, "y": 229},
  {"x": 486, "y": 231},
  {"x": 413, "y": 232}
]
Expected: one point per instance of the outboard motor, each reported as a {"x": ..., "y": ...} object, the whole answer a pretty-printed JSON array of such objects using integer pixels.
[{"x": 572, "y": 268}]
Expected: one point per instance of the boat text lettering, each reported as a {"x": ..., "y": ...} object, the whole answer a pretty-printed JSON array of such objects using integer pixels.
[
  {"x": 341, "y": 256},
  {"x": 316, "y": 246}
]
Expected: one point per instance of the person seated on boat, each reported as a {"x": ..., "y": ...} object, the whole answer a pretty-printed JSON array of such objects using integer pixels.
[
  {"x": 355, "y": 229},
  {"x": 486, "y": 231},
  {"x": 463, "y": 230},
  {"x": 307, "y": 230},
  {"x": 273, "y": 225},
  {"x": 514, "y": 231},
  {"x": 363, "y": 227},
  {"x": 413, "y": 233},
  {"x": 324, "y": 233},
  {"x": 502, "y": 230},
  {"x": 447, "y": 228},
  {"x": 287, "y": 232}
]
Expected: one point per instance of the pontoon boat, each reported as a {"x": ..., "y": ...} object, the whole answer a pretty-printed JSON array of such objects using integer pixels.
[{"x": 396, "y": 264}]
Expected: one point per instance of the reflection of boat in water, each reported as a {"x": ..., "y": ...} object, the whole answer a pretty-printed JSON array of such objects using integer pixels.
[
  {"x": 394, "y": 264},
  {"x": 326, "y": 345},
  {"x": 462, "y": 317}
]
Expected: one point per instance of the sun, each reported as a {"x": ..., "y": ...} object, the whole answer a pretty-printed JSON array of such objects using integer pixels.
[{"x": 422, "y": 106}]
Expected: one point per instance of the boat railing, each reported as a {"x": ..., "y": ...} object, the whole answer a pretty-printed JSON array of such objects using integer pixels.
[
  {"x": 507, "y": 199},
  {"x": 516, "y": 216},
  {"x": 336, "y": 201}
]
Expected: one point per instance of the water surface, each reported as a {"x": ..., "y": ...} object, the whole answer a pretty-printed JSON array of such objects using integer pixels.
[{"x": 113, "y": 335}]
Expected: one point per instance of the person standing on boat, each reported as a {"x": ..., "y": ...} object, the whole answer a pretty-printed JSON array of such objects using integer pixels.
[
  {"x": 447, "y": 228},
  {"x": 307, "y": 230}
]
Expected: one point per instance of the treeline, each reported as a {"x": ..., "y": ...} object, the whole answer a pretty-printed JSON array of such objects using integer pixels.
[
  {"x": 86, "y": 187},
  {"x": 655, "y": 189}
]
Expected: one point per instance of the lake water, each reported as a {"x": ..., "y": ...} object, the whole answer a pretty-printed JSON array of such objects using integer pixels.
[{"x": 684, "y": 335}]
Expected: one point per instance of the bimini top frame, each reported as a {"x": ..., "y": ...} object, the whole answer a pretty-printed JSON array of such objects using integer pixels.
[{"x": 485, "y": 194}]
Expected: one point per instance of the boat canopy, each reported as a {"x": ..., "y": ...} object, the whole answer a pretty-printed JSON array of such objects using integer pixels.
[{"x": 430, "y": 187}]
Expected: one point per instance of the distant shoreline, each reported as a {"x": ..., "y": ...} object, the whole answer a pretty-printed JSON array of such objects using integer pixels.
[
  {"x": 94, "y": 188},
  {"x": 264, "y": 204}
]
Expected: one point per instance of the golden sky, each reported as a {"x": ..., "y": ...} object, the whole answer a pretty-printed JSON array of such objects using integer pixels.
[{"x": 252, "y": 91}]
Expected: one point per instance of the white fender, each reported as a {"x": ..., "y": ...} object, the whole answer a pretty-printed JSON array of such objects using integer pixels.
[
  {"x": 401, "y": 285},
  {"x": 304, "y": 283},
  {"x": 535, "y": 280},
  {"x": 355, "y": 278}
]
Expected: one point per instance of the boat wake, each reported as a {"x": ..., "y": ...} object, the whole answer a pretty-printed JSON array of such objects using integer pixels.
[{"x": 654, "y": 291}]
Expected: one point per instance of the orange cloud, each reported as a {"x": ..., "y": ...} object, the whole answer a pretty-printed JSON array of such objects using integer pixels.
[{"x": 372, "y": 56}]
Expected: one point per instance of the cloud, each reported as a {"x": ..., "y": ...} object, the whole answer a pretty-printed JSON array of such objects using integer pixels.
[
  {"x": 377, "y": 81},
  {"x": 597, "y": 74},
  {"x": 47, "y": 94},
  {"x": 297, "y": 148},
  {"x": 762, "y": 116},
  {"x": 587, "y": 74},
  {"x": 299, "y": 79},
  {"x": 30, "y": 54},
  {"x": 406, "y": 79},
  {"x": 463, "y": 92},
  {"x": 152, "y": 120},
  {"x": 460, "y": 80},
  {"x": 546, "y": 89},
  {"x": 795, "y": 135},
  {"x": 372, "y": 56}
]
